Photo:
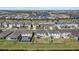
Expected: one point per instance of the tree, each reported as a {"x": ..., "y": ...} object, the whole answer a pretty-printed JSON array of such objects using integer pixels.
[{"x": 33, "y": 38}]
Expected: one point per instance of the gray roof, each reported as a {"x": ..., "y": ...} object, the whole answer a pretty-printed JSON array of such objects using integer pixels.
[
  {"x": 66, "y": 23},
  {"x": 5, "y": 34},
  {"x": 28, "y": 23},
  {"x": 46, "y": 24},
  {"x": 15, "y": 34},
  {"x": 35, "y": 23},
  {"x": 53, "y": 31},
  {"x": 26, "y": 31},
  {"x": 40, "y": 31}
]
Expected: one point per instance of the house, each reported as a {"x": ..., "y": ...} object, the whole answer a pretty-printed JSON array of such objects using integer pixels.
[
  {"x": 78, "y": 24},
  {"x": 40, "y": 34},
  {"x": 19, "y": 24},
  {"x": 75, "y": 34},
  {"x": 46, "y": 26},
  {"x": 74, "y": 16},
  {"x": 53, "y": 34},
  {"x": 4, "y": 34},
  {"x": 26, "y": 36},
  {"x": 16, "y": 25},
  {"x": 62, "y": 16},
  {"x": 5, "y": 24},
  {"x": 21, "y": 35},
  {"x": 61, "y": 25},
  {"x": 35, "y": 25},
  {"x": 50, "y": 26},
  {"x": 16, "y": 35},
  {"x": 58, "y": 15},
  {"x": 28, "y": 25},
  {"x": 11, "y": 24},
  {"x": 65, "y": 34}
]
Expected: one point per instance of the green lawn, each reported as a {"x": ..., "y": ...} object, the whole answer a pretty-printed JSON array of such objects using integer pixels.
[{"x": 14, "y": 45}]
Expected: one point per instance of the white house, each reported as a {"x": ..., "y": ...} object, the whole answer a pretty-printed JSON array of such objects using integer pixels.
[
  {"x": 41, "y": 33},
  {"x": 35, "y": 25},
  {"x": 5, "y": 24},
  {"x": 65, "y": 34},
  {"x": 54, "y": 34},
  {"x": 28, "y": 25},
  {"x": 61, "y": 25},
  {"x": 58, "y": 34}
]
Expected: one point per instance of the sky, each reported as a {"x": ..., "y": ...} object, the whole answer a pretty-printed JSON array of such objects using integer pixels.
[
  {"x": 39, "y": 8},
  {"x": 39, "y": 4}
]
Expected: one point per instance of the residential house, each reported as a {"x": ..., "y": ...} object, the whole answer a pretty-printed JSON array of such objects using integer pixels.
[
  {"x": 35, "y": 25},
  {"x": 26, "y": 36},
  {"x": 47, "y": 26},
  {"x": 19, "y": 24},
  {"x": 74, "y": 16},
  {"x": 62, "y": 25},
  {"x": 5, "y": 24},
  {"x": 40, "y": 34},
  {"x": 4, "y": 34},
  {"x": 54, "y": 34},
  {"x": 65, "y": 34},
  {"x": 16, "y": 35},
  {"x": 28, "y": 25},
  {"x": 11, "y": 25},
  {"x": 75, "y": 34}
]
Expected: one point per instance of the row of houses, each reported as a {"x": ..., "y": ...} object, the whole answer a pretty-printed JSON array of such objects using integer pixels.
[
  {"x": 47, "y": 15},
  {"x": 34, "y": 16},
  {"x": 27, "y": 35},
  {"x": 40, "y": 25}
]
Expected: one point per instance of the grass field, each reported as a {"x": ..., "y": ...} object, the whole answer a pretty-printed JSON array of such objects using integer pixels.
[{"x": 14, "y": 45}]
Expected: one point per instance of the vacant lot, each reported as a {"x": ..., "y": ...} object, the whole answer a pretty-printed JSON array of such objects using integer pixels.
[{"x": 14, "y": 45}]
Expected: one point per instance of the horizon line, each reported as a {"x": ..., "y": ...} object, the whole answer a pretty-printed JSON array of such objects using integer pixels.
[{"x": 39, "y": 8}]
